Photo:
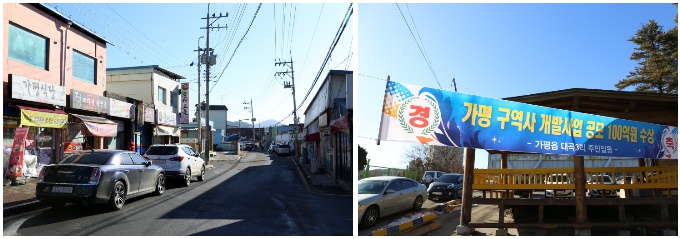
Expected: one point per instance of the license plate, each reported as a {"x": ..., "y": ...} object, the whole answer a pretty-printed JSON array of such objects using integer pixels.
[
  {"x": 436, "y": 193},
  {"x": 159, "y": 161},
  {"x": 62, "y": 189}
]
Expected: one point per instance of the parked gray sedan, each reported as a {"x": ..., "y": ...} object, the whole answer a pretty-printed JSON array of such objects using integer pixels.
[
  {"x": 386, "y": 195},
  {"x": 99, "y": 176}
]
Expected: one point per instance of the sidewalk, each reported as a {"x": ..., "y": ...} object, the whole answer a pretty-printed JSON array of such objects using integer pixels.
[
  {"x": 21, "y": 198},
  {"x": 322, "y": 183}
]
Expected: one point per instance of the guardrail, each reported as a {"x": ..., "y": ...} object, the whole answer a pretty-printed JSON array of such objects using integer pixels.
[{"x": 657, "y": 177}]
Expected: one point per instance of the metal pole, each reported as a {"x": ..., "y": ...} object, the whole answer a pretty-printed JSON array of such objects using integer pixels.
[
  {"x": 295, "y": 118},
  {"x": 198, "y": 105},
  {"x": 252, "y": 118},
  {"x": 207, "y": 85}
]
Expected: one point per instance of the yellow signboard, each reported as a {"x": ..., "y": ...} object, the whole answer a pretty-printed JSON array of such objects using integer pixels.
[{"x": 42, "y": 119}]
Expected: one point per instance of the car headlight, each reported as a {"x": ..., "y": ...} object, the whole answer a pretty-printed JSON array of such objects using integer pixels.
[{"x": 451, "y": 186}]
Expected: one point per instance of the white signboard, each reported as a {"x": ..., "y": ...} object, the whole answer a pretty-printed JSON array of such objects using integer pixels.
[
  {"x": 120, "y": 109},
  {"x": 188, "y": 140},
  {"x": 184, "y": 110},
  {"x": 37, "y": 91},
  {"x": 166, "y": 118}
]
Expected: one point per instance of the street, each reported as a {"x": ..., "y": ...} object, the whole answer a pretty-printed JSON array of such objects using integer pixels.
[{"x": 261, "y": 194}]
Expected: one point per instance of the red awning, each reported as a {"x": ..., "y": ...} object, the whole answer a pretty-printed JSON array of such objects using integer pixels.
[
  {"x": 313, "y": 137},
  {"x": 53, "y": 111},
  {"x": 340, "y": 124}
]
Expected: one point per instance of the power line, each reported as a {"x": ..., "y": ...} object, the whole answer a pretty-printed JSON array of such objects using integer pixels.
[
  {"x": 419, "y": 48},
  {"x": 343, "y": 25},
  {"x": 239, "y": 44}
]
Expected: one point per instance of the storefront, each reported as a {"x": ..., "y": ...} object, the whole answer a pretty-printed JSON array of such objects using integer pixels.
[
  {"x": 121, "y": 113},
  {"x": 34, "y": 104},
  {"x": 86, "y": 128},
  {"x": 145, "y": 127},
  {"x": 167, "y": 130}
]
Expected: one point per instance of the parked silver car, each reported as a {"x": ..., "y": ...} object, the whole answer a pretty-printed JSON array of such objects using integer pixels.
[
  {"x": 179, "y": 161},
  {"x": 386, "y": 195},
  {"x": 99, "y": 176},
  {"x": 605, "y": 180},
  {"x": 282, "y": 149},
  {"x": 558, "y": 179}
]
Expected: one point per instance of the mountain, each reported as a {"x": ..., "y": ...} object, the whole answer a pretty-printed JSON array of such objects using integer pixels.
[{"x": 263, "y": 124}]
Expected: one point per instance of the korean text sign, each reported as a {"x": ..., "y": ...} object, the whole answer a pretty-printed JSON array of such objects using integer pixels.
[
  {"x": 431, "y": 116},
  {"x": 90, "y": 102},
  {"x": 37, "y": 91},
  {"x": 184, "y": 94},
  {"x": 15, "y": 165}
]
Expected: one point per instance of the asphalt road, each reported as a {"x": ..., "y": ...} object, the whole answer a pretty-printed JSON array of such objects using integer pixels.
[{"x": 261, "y": 195}]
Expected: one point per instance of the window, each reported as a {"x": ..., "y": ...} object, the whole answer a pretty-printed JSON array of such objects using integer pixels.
[
  {"x": 27, "y": 47},
  {"x": 126, "y": 159},
  {"x": 395, "y": 185},
  {"x": 406, "y": 184},
  {"x": 83, "y": 67},
  {"x": 137, "y": 159},
  {"x": 173, "y": 100},
  {"x": 161, "y": 95}
]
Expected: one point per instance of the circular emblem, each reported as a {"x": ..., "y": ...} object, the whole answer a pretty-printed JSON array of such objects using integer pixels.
[
  {"x": 670, "y": 141},
  {"x": 419, "y": 115}
]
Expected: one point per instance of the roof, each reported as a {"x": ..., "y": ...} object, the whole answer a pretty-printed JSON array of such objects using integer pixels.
[
  {"x": 216, "y": 107},
  {"x": 331, "y": 72},
  {"x": 645, "y": 107},
  {"x": 77, "y": 26},
  {"x": 155, "y": 67}
]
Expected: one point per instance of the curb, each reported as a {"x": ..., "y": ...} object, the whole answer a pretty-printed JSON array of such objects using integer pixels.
[{"x": 404, "y": 227}]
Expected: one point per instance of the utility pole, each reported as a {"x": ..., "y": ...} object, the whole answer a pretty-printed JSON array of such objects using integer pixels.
[
  {"x": 210, "y": 60},
  {"x": 198, "y": 103},
  {"x": 252, "y": 118},
  {"x": 292, "y": 86}
]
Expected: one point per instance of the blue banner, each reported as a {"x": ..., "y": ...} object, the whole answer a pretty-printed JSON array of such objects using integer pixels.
[{"x": 437, "y": 117}]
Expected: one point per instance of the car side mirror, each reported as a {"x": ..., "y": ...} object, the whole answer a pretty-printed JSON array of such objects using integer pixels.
[
  {"x": 389, "y": 191},
  {"x": 148, "y": 163}
]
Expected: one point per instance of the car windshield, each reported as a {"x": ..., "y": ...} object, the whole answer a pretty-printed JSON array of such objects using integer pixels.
[
  {"x": 162, "y": 150},
  {"x": 371, "y": 186},
  {"x": 448, "y": 178},
  {"x": 90, "y": 158}
]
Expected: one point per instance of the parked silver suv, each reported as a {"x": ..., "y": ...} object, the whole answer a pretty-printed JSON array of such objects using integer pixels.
[{"x": 179, "y": 161}]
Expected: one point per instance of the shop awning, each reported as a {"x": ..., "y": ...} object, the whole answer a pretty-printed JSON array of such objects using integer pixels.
[
  {"x": 340, "y": 124},
  {"x": 313, "y": 137},
  {"x": 41, "y": 117},
  {"x": 98, "y": 126},
  {"x": 168, "y": 130}
]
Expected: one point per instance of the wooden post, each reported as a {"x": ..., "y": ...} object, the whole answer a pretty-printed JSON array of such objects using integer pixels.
[
  {"x": 504, "y": 178},
  {"x": 466, "y": 211},
  {"x": 580, "y": 189}
]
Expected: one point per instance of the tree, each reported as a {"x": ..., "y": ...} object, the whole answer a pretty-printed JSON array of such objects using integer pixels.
[
  {"x": 362, "y": 158},
  {"x": 657, "y": 56},
  {"x": 438, "y": 158}
]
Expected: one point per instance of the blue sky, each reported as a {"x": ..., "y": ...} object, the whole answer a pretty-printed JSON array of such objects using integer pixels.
[
  {"x": 493, "y": 50},
  {"x": 166, "y": 34}
]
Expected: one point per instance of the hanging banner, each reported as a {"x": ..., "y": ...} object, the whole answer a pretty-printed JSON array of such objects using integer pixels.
[
  {"x": 140, "y": 113},
  {"x": 184, "y": 94},
  {"x": 436, "y": 117},
  {"x": 101, "y": 130},
  {"x": 15, "y": 165},
  {"x": 43, "y": 119},
  {"x": 149, "y": 114}
]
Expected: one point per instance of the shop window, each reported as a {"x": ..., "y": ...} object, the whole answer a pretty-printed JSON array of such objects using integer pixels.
[
  {"x": 84, "y": 67},
  {"x": 173, "y": 100}
]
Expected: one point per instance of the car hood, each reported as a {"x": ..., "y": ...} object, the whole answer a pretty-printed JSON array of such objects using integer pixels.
[{"x": 364, "y": 199}]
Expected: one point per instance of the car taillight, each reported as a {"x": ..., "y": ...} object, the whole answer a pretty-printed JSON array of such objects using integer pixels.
[
  {"x": 96, "y": 174},
  {"x": 178, "y": 158},
  {"x": 41, "y": 178}
]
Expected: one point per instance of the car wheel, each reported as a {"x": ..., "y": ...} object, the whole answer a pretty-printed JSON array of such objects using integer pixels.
[
  {"x": 459, "y": 194},
  {"x": 370, "y": 217},
  {"x": 160, "y": 185},
  {"x": 418, "y": 203},
  {"x": 117, "y": 199},
  {"x": 202, "y": 176},
  {"x": 187, "y": 177}
]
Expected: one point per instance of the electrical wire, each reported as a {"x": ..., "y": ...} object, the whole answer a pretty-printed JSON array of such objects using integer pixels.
[{"x": 419, "y": 48}]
